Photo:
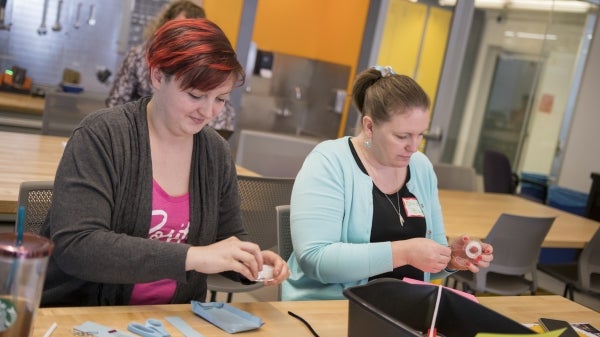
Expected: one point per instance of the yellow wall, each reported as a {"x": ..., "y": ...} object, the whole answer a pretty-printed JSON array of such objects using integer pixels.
[
  {"x": 226, "y": 14},
  {"x": 401, "y": 38},
  {"x": 324, "y": 30},
  {"x": 434, "y": 50},
  {"x": 407, "y": 26},
  {"x": 328, "y": 31}
]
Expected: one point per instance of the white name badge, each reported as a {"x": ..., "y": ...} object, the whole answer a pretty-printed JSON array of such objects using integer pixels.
[{"x": 412, "y": 207}]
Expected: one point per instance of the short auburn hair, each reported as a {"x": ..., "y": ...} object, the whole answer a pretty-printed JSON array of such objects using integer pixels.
[{"x": 197, "y": 52}]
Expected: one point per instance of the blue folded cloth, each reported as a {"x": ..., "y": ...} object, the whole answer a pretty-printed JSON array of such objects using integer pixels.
[{"x": 226, "y": 317}]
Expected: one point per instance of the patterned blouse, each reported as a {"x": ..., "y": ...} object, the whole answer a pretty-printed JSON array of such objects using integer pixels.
[{"x": 132, "y": 82}]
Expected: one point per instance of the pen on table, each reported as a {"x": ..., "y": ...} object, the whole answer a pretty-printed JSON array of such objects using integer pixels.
[{"x": 50, "y": 330}]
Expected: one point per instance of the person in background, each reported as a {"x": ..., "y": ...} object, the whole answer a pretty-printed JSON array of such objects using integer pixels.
[
  {"x": 145, "y": 200},
  {"x": 367, "y": 207},
  {"x": 132, "y": 81}
]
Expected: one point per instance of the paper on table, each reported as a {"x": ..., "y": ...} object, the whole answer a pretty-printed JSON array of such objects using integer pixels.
[
  {"x": 555, "y": 333},
  {"x": 462, "y": 293},
  {"x": 583, "y": 329}
]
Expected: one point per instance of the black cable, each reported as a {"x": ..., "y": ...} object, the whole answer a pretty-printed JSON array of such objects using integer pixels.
[{"x": 305, "y": 323}]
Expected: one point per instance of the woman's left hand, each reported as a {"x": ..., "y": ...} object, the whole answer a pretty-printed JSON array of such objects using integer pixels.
[
  {"x": 280, "y": 268},
  {"x": 459, "y": 260}
]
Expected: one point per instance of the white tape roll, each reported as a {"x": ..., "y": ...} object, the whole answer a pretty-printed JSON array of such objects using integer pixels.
[
  {"x": 265, "y": 274},
  {"x": 473, "y": 249}
]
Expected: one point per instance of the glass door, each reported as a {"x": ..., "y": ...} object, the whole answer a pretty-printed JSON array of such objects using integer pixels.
[{"x": 505, "y": 113}]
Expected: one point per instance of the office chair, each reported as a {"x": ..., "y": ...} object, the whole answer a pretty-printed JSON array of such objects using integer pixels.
[
  {"x": 455, "y": 177},
  {"x": 259, "y": 197},
  {"x": 36, "y": 198},
  {"x": 273, "y": 154},
  {"x": 284, "y": 235},
  {"x": 498, "y": 176},
  {"x": 583, "y": 275},
  {"x": 517, "y": 242}
]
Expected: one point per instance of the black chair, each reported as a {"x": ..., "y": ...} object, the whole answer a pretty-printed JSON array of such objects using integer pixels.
[
  {"x": 259, "y": 197},
  {"x": 498, "y": 176},
  {"x": 582, "y": 275},
  {"x": 284, "y": 236},
  {"x": 36, "y": 198}
]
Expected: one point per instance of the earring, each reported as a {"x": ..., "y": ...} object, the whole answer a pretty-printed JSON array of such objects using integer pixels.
[{"x": 367, "y": 143}]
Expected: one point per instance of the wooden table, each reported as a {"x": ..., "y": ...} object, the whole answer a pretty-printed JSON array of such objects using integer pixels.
[
  {"x": 25, "y": 157},
  {"x": 13, "y": 102},
  {"x": 475, "y": 213},
  {"x": 328, "y": 318},
  {"x": 28, "y": 157}
]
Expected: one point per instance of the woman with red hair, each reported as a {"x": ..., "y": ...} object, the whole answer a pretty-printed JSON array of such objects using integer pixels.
[{"x": 145, "y": 200}]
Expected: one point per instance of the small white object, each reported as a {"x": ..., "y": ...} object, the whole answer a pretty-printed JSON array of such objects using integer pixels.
[
  {"x": 473, "y": 249},
  {"x": 51, "y": 330},
  {"x": 265, "y": 274}
]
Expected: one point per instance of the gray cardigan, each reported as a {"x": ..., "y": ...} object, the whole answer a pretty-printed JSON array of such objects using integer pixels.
[{"x": 101, "y": 211}]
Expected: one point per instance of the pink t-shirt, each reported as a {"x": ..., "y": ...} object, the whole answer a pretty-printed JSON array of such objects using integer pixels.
[{"x": 170, "y": 223}]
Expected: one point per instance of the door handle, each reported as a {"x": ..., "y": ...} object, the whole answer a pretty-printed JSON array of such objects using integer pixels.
[{"x": 434, "y": 133}]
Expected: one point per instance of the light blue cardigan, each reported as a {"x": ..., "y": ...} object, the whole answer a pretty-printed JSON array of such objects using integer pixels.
[{"x": 331, "y": 218}]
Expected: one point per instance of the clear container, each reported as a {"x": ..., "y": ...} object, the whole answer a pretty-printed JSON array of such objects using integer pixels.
[{"x": 22, "y": 274}]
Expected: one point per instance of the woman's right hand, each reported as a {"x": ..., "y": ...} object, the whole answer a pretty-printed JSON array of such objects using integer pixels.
[
  {"x": 421, "y": 253},
  {"x": 231, "y": 254}
]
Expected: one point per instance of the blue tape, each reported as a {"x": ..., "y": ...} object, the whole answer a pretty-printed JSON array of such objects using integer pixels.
[
  {"x": 182, "y": 326},
  {"x": 98, "y": 330}
]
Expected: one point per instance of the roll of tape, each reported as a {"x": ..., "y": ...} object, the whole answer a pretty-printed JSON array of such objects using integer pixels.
[{"x": 473, "y": 249}]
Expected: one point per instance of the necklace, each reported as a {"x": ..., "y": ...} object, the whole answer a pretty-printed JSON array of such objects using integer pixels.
[
  {"x": 367, "y": 163},
  {"x": 400, "y": 218}
]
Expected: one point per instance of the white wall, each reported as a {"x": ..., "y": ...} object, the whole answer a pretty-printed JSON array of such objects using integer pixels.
[{"x": 582, "y": 155}]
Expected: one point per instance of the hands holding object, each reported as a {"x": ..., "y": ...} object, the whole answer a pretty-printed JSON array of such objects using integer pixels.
[
  {"x": 470, "y": 254},
  {"x": 239, "y": 256}
]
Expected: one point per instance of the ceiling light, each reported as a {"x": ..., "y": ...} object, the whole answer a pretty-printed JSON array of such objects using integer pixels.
[
  {"x": 536, "y": 5},
  {"x": 526, "y": 35}
]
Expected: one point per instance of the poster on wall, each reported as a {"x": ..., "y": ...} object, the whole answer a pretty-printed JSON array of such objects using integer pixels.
[{"x": 546, "y": 103}]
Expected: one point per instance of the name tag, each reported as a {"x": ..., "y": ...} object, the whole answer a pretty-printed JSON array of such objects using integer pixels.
[{"x": 412, "y": 207}]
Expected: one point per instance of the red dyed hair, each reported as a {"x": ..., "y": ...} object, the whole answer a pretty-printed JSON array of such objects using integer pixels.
[{"x": 197, "y": 52}]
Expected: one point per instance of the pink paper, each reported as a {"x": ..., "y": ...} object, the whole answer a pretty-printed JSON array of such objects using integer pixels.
[{"x": 462, "y": 293}]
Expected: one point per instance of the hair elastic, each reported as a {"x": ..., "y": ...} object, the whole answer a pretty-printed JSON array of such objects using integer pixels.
[{"x": 385, "y": 71}]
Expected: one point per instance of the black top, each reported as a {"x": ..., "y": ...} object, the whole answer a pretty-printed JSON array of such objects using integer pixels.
[{"x": 386, "y": 224}]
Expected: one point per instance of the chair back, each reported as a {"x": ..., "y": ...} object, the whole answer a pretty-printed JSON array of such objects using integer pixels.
[
  {"x": 36, "y": 198},
  {"x": 455, "y": 177},
  {"x": 259, "y": 197},
  {"x": 517, "y": 242},
  {"x": 273, "y": 154},
  {"x": 284, "y": 236},
  {"x": 498, "y": 176},
  {"x": 589, "y": 262}
]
